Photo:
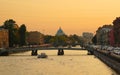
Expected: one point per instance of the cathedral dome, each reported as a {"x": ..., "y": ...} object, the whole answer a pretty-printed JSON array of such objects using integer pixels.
[{"x": 60, "y": 32}]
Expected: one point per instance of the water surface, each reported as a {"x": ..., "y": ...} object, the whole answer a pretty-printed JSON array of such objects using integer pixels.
[{"x": 72, "y": 63}]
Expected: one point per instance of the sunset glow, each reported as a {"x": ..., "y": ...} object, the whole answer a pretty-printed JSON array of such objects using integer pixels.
[{"x": 73, "y": 16}]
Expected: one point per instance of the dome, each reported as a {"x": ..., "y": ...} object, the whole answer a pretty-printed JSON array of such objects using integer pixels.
[{"x": 60, "y": 32}]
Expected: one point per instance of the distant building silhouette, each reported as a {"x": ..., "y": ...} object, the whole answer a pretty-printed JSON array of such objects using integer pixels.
[
  {"x": 87, "y": 37},
  {"x": 35, "y": 38},
  {"x": 60, "y": 32}
]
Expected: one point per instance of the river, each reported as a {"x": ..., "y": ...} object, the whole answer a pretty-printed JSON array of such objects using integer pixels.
[{"x": 72, "y": 63}]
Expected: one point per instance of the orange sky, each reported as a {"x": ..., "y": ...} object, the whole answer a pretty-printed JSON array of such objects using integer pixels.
[{"x": 73, "y": 16}]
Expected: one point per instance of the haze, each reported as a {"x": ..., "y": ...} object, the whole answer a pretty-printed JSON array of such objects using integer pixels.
[{"x": 73, "y": 16}]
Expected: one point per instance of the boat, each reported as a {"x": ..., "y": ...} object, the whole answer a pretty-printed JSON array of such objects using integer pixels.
[{"x": 42, "y": 55}]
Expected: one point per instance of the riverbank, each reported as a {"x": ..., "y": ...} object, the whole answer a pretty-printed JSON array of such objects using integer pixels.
[{"x": 110, "y": 60}]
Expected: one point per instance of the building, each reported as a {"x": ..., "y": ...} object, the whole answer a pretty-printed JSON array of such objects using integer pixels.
[
  {"x": 35, "y": 38},
  {"x": 60, "y": 32},
  {"x": 4, "y": 38},
  {"x": 111, "y": 38},
  {"x": 87, "y": 37},
  {"x": 102, "y": 35}
]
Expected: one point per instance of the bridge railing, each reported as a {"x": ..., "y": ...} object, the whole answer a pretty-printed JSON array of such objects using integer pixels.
[{"x": 42, "y": 48}]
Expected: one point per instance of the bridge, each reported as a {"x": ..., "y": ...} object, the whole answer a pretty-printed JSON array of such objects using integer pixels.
[
  {"x": 108, "y": 58},
  {"x": 35, "y": 50}
]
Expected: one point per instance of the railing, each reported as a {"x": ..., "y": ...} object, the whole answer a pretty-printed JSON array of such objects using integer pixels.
[{"x": 43, "y": 48}]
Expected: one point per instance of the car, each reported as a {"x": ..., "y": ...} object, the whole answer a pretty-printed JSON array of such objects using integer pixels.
[
  {"x": 117, "y": 50},
  {"x": 104, "y": 47},
  {"x": 110, "y": 48}
]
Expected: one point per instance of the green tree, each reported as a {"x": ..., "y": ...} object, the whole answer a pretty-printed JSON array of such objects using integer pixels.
[
  {"x": 75, "y": 39},
  {"x": 72, "y": 40},
  {"x": 22, "y": 34},
  {"x": 59, "y": 40},
  {"x": 47, "y": 39}
]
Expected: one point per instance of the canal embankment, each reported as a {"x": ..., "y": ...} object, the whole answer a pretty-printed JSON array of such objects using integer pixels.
[{"x": 109, "y": 59}]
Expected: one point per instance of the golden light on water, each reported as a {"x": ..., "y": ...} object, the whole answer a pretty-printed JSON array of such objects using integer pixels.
[{"x": 72, "y": 63}]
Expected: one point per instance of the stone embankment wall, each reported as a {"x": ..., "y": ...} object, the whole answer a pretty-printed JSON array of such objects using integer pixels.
[{"x": 111, "y": 61}]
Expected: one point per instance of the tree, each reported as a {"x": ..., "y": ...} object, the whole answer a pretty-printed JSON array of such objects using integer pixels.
[
  {"x": 74, "y": 39},
  {"x": 59, "y": 40},
  {"x": 82, "y": 41},
  {"x": 22, "y": 35},
  {"x": 9, "y": 24},
  {"x": 13, "y": 31},
  {"x": 94, "y": 40},
  {"x": 116, "y": 28},
  {"x": 47, "y": 39}
]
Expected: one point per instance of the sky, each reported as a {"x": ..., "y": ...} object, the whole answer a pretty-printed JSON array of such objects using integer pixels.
[{"x": 73, "y": 16}]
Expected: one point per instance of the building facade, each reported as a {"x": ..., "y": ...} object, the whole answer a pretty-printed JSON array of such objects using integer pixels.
[
  {"x": 4, "y": 38},
  {"x": 111, "y": 38},
  {"x": 87, "y": 37},
  {"x": 35, "y": 38},
  {"x": 102, "y": 35}
]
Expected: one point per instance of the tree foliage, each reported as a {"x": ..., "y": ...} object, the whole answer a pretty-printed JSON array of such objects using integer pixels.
[
  {"x": 14, "y": 32},
  {"x": 63, "y": 40},
  {"x": 47, "y": 39},
  {"x": 56, "y": 40},
  {"x": 94, "y": 40},
  {"x": 60, "y": 40},
  {"x": 116, "y": 27},
  {"x": 22, "y": 33}
]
